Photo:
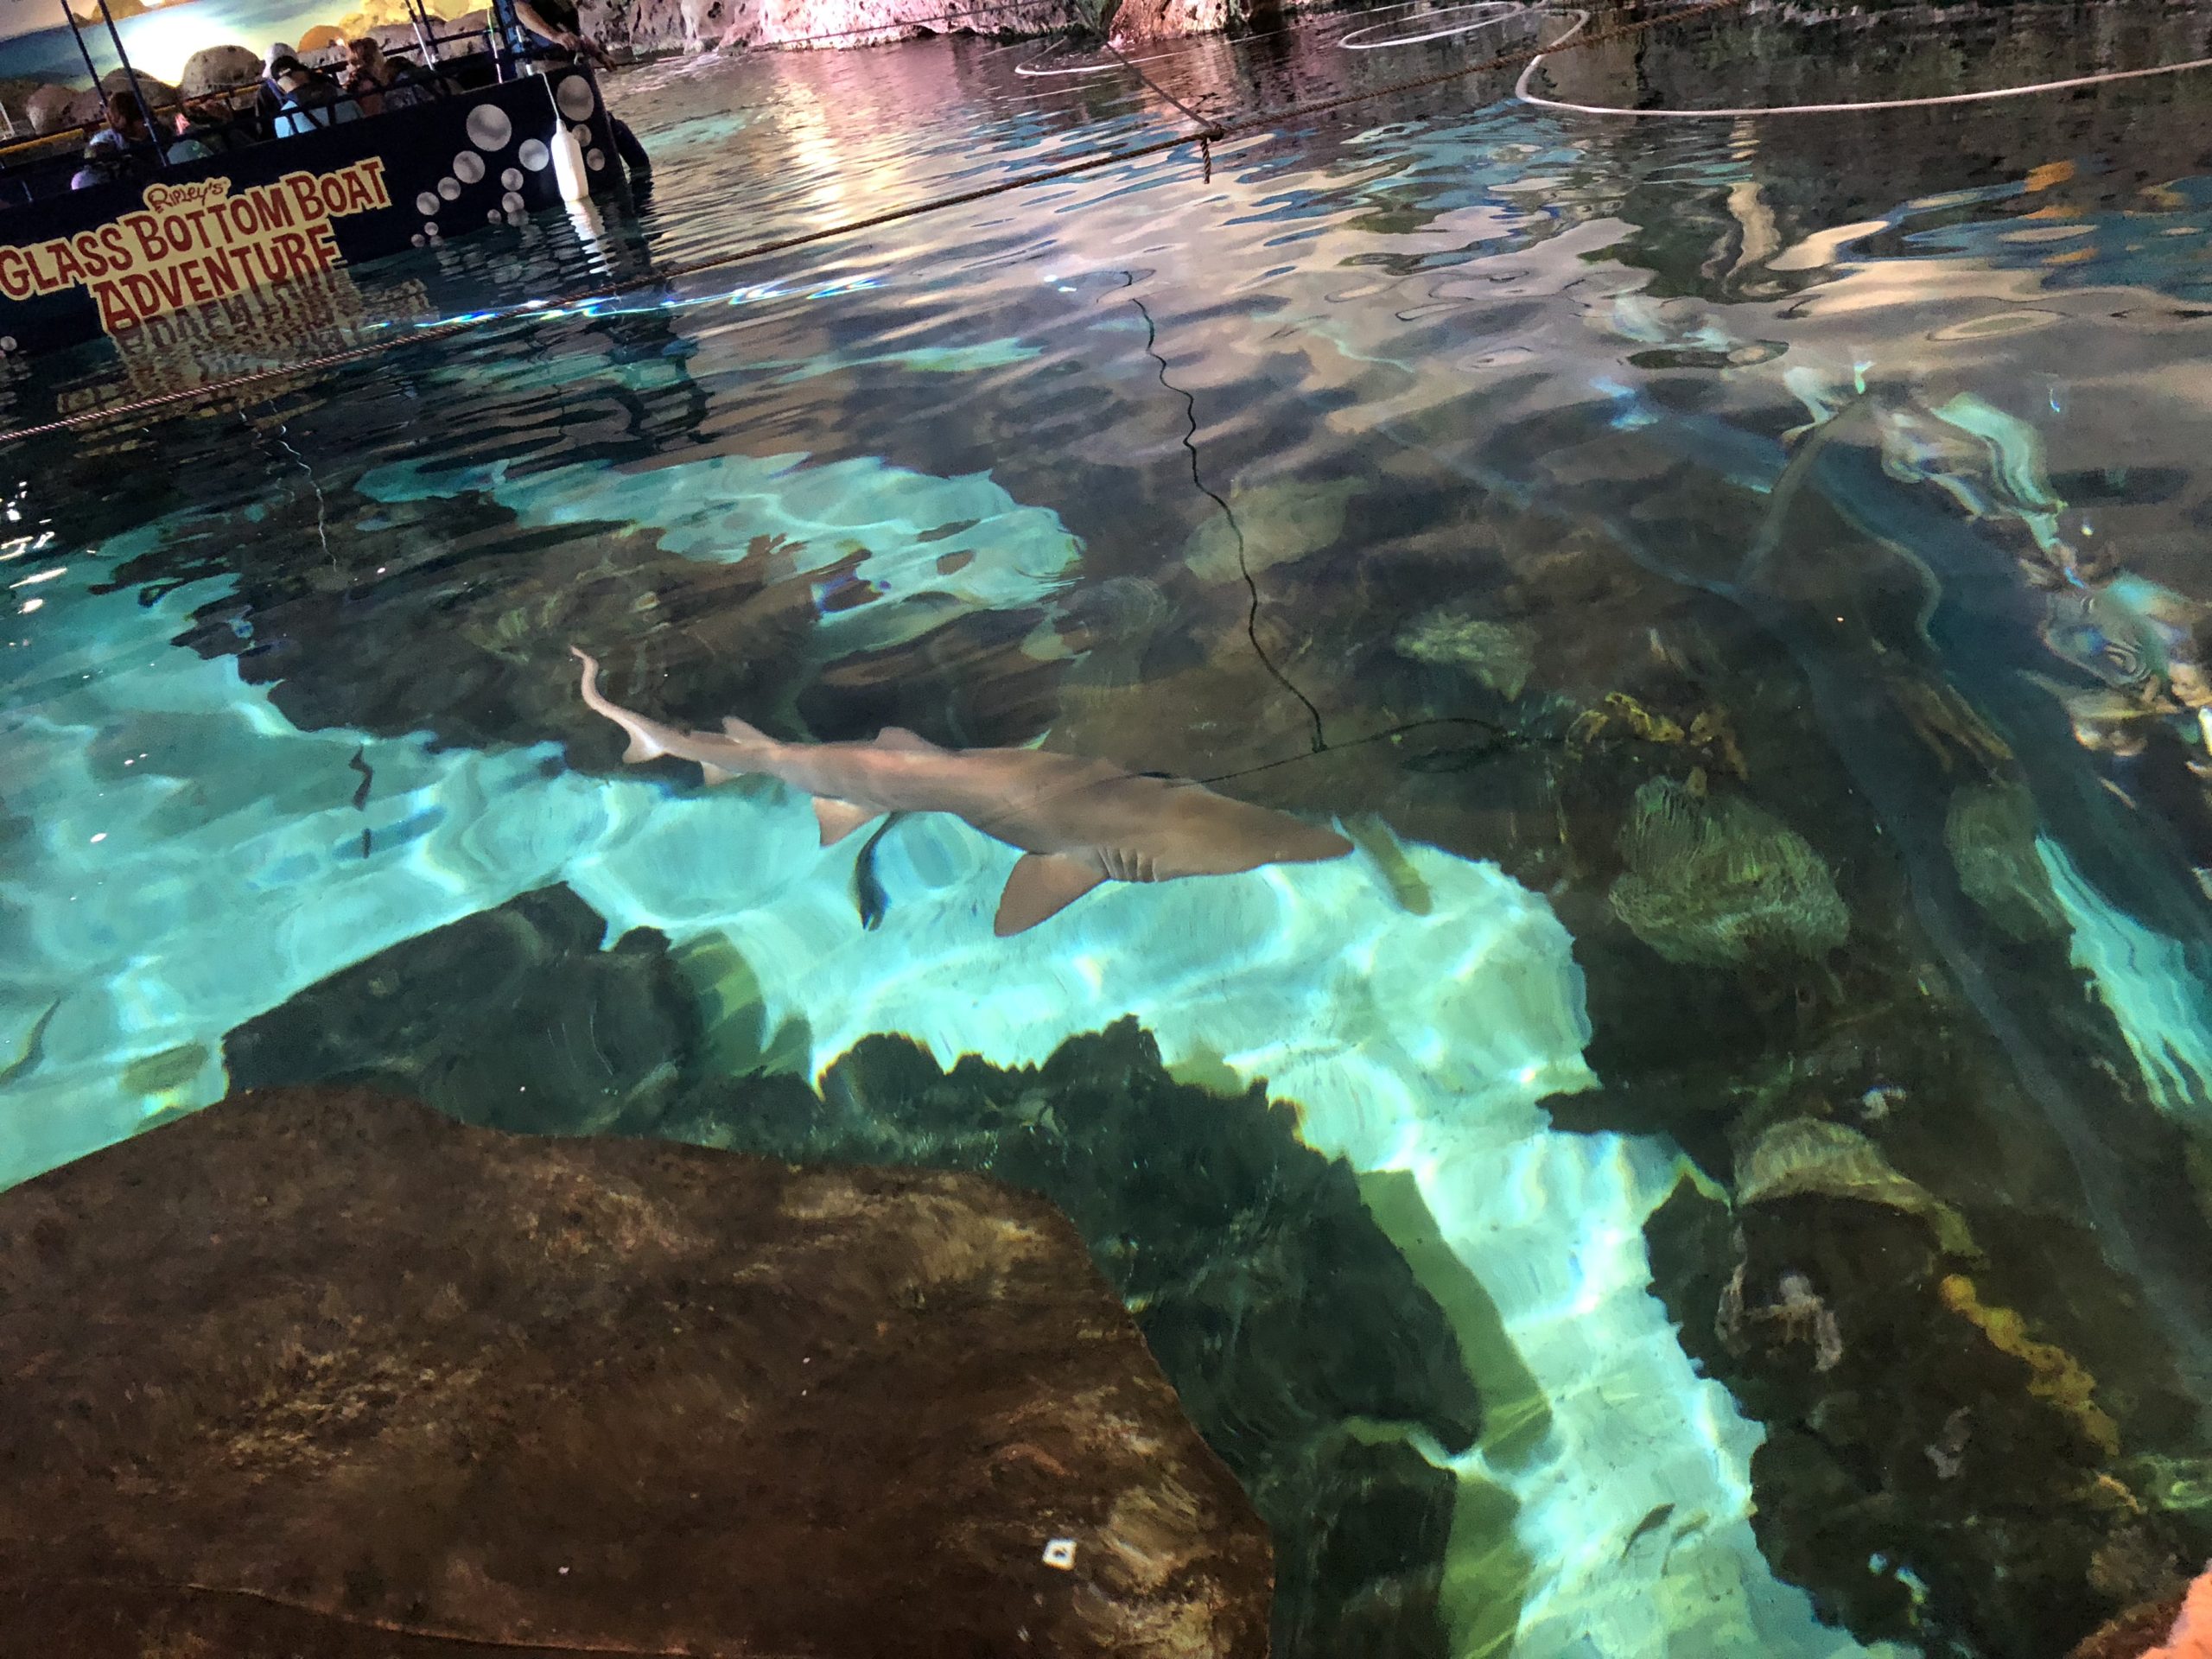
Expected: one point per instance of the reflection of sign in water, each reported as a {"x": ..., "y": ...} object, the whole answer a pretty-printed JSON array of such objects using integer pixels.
[
  {"x": 197, "y": 243},
  {"x": 298, "y": 322}
]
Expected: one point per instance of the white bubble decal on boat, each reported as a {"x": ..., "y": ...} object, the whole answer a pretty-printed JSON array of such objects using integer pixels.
[
  {"x": 489, "y": 127},
  {"x": 574, "y": 98},
  {"x": 468, "y": 166},
  {"x": 533, "y": 154}
]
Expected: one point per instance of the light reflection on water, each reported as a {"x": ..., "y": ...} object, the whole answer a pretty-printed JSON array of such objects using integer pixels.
[{"x": 1739, "y": 585}]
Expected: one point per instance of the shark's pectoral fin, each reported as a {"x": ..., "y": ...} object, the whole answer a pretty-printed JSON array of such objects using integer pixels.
[
  {"x": 898, "y": 737},
  {"x": 714, "y": 775},
  {"x": 1042, "y": 885},
  {"x": 840, "y": 818},
  {"x": 641, "y": 749}
]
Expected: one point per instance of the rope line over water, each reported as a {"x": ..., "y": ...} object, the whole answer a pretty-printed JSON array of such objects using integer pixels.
[{"x": 1210, "y": 133}]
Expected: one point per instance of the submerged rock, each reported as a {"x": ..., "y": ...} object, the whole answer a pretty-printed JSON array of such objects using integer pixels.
[
  {"x": 1714, "y": 880},
  {"x": 1934, "y": 1473},
  {"x": 1300, "y": 1340},
  {"x": 1500, "y": 655},
  {"x": 1991, "y": 833},
  {"x": 1304, "y": 1349},
  {"x": 514, "y": 1019},
  {"x": 366, "y": 1382}
]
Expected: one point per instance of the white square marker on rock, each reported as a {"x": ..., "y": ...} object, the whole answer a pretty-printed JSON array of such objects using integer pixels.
[{"x": 1061, "y": 1553}]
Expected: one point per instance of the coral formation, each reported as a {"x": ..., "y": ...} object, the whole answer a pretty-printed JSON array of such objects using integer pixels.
[
  {"x": 1715, "y": 879},
  {"x": 2057, "y": 1376},
  {"x": 1804, "y": 1155}
]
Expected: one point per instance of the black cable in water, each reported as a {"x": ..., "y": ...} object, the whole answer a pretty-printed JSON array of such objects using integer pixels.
[{"x": 1251, "y": 587}]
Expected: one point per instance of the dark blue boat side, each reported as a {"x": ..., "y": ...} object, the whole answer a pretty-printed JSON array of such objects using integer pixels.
[{"x": 248, "y": 223}]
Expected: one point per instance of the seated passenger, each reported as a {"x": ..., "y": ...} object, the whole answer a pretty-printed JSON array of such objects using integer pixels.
[
  {"x": 119, "y": 152},
  {"x": 108, "y": 163},
  {"x": 206, "y": 129},
  {"x": 378, "y": 83},
  {"x": 269, "y": 97},
  {"x": 310, "y": 100}
]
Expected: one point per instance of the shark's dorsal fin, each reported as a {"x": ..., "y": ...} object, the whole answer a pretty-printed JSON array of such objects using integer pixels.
[
  {"x": 733, "y": 726},
  {"x": 898, "y": 737},
  {"x": 1042, "y": 885},
  {"x": 840, "y": 818}
]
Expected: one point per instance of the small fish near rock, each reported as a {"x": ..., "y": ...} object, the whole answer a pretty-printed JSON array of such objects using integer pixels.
[{"x": 1078, "y": 821}]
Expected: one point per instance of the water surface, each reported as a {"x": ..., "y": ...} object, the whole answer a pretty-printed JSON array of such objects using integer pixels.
[{"x": 1737, "y": 1186}]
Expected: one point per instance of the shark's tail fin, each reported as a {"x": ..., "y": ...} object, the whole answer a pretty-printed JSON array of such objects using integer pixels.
[{"x": 645, "y": 745}]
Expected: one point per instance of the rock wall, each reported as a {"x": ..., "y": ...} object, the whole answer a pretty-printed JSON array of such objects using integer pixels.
[{"x": 704, "y": 25}]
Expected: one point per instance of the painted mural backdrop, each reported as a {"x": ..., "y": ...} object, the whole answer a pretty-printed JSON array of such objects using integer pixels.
[{"x": 37, "y": 45}]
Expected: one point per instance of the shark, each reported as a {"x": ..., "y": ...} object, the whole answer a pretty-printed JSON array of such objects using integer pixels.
[{"x": 1077, "y": 821}]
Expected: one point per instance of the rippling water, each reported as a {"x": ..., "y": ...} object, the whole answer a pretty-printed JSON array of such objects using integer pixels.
[{"x": 1737, "y": 583}]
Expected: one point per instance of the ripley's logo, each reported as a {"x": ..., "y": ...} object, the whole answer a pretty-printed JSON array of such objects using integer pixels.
[{"x": 197, "y": 243}]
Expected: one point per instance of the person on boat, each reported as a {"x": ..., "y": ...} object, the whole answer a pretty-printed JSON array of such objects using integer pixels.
[
  {"x": 106, "y": 164},
  {"x": 311, "y": 100},
  {"x": 205, "y": 128},
  {"x": 378, "y": 83},
  {"x": 269, "y": 97},
  {"x": 126, "y": 121},
  {"x": 550, "y": 32},
  {"x": 118, "y": 152}
]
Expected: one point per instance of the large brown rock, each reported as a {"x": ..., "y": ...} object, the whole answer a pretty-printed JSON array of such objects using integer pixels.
[
  {"x": 317, "y": 1371},
  {"x": 158, "y": 94},
  {"x": 218, "y": 69},
  {"x": 53, "y": 109}
]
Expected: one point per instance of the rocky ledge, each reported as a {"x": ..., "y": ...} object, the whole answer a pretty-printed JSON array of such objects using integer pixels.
[{"x": 318, "y": 1371}]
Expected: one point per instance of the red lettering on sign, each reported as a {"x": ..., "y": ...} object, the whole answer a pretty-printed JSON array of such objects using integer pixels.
[
  {"x": 145, "y": 298},
  {"x": 88, "y": 250},
  {"x": 15, "y": 281},
  {"x": 68, "y": 270},
  {"x": 222, "y": 279},
  {"x": 119, "y": 251},
  {"x": 148, "y": 230},
  {"x": 115, "y": 314},
  {"x": 170, "y": 285},
  {"x": 298, "y": 256},
  {"x": 306, "y": 195},
  {"x": 359, "y": 193},
  {"x": 272, "y": 209}
]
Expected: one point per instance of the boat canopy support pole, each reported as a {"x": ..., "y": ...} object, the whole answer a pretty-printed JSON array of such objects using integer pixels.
[
  {"x": 138, "y": 91},
  {"x": 83, "y": 51}
]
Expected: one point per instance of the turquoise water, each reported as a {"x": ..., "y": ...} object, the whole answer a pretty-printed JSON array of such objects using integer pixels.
[{"x": 1736, "y": 586}]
